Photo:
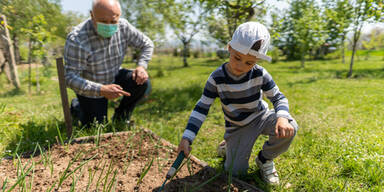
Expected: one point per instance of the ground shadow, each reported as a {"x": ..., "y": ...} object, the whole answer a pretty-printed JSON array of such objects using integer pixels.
[
  {"x": 13, "y": 92},
  {"x": 53, "y": 131},
  {"x": 213, "y": 62},
  {"x": 35, "y": 132},
  {"x": 207, "y": 179},
  {"x": 338, "y": 74},
  {"x": 303, "y": 81}
]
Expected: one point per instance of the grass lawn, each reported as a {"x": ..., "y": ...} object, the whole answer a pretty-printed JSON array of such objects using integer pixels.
[{"x": 339, "y": 146}]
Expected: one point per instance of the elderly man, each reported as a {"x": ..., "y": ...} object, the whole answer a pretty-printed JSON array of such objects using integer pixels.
[{"x": 94, "y": 52}]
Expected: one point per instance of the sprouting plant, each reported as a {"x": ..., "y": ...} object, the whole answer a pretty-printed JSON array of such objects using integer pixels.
[
  {"x": 75, "y": 180},
  {"x": 33, "y": 174},
  {"x": 101, "y": 173},
  {"x": 99, "y": 130},
  {"x": 5, "y": 183},
  {"x": 17, "y": 148},
  {"x": 23, "y": 173},
  {"x": 65, "y": 173},
  {"x": 140, "y": 143},
  {"x": 43, "y": 156},
  {"x": 128, "y": 161},
  {"x": 113, "y": 181},
  {"x": 231, "y": 168},
  {"x": 48, "y": 158},
  {"x": 109, "y": 171},
  {"x": 91, "y": 175},
  {"x": 145, "y": 171},
  {"x": 59, "y": 134},
  {"x": 189, "y": 166}
]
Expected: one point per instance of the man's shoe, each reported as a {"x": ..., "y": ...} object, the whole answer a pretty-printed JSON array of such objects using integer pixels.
[
  {"x": 222, "y": 149},
  {"x": 268, "y": 171}
]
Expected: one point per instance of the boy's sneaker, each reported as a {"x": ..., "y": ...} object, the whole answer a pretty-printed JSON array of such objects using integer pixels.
[
  {"x": 222, "y": 149},
  {"x": 268, "y": 171}
]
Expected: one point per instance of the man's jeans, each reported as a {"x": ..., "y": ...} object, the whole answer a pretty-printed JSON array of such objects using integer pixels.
[{"x": 90, "y": 110}]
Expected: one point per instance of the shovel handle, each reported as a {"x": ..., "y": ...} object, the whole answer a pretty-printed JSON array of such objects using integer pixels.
[
  {"x": 178, "y": 160},
  {"x": 176, "y": 164}
]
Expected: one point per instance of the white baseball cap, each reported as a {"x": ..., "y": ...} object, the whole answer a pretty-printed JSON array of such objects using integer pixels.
[{"x": 246, "y": 35}]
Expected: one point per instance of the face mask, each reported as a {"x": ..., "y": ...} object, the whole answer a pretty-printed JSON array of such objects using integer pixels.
[{"x": 106, "y": 30}]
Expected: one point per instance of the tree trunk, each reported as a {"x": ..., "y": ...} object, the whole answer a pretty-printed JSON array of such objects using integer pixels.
[
  {"x": 11, "y": 59},
  {"x": 185, "y": 53},
  {"x": 17, "y": 50},
  {"x": 29, "y": 66},
  {"x": 302, "y": 60},
  {"x": 343, "y": 53},
  {"x": 356, "y": 37},
  {"x": 352, "y": 58},
  {"x": 37, "y": 79}
]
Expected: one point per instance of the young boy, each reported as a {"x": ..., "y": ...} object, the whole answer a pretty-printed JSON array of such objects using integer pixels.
[{"x": 240, "y": 84}]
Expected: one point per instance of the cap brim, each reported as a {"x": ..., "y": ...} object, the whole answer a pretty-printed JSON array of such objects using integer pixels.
[{"x": 260, "y": 55}]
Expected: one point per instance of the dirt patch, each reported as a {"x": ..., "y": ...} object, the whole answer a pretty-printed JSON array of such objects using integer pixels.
[{"x": 111, "y": 163}]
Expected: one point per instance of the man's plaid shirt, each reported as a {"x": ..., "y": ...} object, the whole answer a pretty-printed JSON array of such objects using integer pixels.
[{"x": 93, "y": 61}]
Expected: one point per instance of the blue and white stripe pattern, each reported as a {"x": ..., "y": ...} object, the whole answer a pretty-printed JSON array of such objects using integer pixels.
[{"x": 241, "y": 100}]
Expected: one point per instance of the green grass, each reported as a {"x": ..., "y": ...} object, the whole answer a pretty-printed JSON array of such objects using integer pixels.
[{"x": 339, "y": 146}]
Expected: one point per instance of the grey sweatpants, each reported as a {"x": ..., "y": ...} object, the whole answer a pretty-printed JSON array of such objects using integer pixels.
[{"x": 240, "y": 142}]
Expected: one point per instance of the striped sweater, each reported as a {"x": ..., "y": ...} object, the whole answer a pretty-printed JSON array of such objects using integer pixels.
[{"x": 241, "y": 99}]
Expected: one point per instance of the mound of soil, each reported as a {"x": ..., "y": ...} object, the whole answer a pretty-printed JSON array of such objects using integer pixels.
[{"x": 129, "y": 161}]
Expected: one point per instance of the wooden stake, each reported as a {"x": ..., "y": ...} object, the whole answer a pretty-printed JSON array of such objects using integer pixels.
[{"x": 64, "y": 96}]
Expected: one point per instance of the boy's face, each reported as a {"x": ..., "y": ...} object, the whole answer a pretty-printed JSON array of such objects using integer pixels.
[{"x": 240, "y": 63}]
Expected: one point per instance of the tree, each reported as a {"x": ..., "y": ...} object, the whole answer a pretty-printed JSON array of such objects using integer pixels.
[
  {"x": 12, "y": 76},
  {"x": 20, "y": 12},
  {"x": 275, "y": 30},
  {"x": 364, "y": 11},
  {"x": 186, "y": 21},
  {"x": 372, "y": 41},
  {"x": 225, "y": 16},
  {"x": 302, "y": 30},
  {"x": 184, "y": 17},
  {"x": 38, "y": 36},
  {"x": 338, "y": 16},
  {"x": 309, "y": 31},
  {"x": 143, "y": 15}
]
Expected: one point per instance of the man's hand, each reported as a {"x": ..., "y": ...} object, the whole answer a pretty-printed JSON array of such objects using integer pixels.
[
  {"x": 140, "y": 75},
  {"x": 112, "y": 91},
  {"x": 283, "y": 128},
  {"x": 184, "y": 146}
]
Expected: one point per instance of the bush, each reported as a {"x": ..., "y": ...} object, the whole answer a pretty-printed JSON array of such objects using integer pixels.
[
  {"x": 222, "y": 54},
  {"x": 275, "y": 53},
  {"x": 196, "y": 54}
]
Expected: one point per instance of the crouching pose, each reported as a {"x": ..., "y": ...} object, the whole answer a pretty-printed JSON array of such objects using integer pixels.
[{"x": 240, "y": 84}]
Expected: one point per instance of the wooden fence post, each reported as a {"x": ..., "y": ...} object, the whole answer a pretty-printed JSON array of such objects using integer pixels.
[{"x": 64, "y": 96}]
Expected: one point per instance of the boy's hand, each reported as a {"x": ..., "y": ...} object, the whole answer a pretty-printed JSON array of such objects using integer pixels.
[
  {"x": 184, "y": 146},
  {"x": 283, "y": 128}
]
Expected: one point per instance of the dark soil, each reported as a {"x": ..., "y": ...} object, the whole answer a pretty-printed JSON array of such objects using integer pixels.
[{"x": 116, "y": 164}]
